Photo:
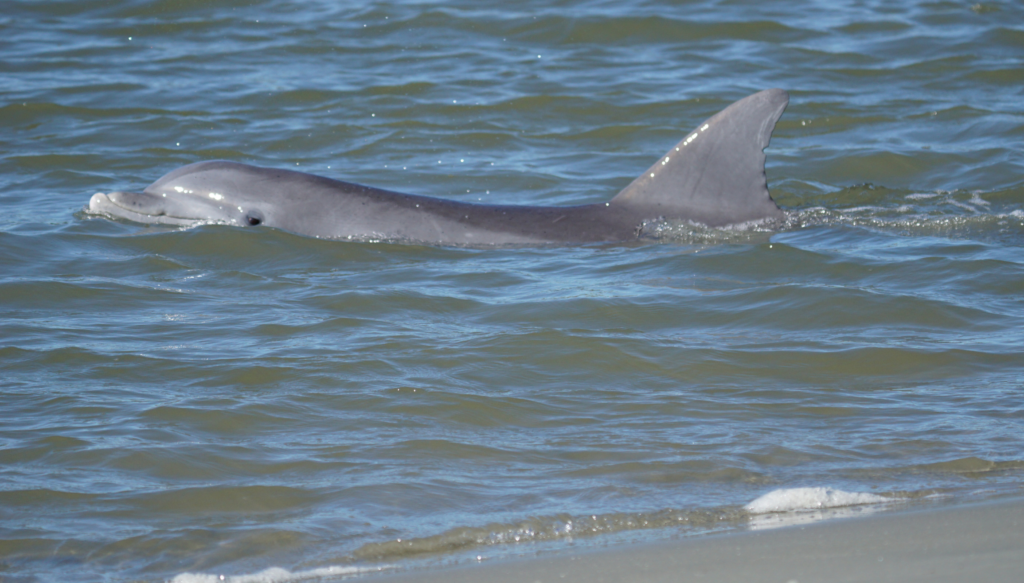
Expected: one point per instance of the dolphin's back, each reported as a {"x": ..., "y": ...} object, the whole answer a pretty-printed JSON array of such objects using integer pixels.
[{"x": 715, "y": 175}]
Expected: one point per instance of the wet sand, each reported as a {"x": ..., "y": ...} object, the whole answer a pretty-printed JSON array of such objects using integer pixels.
[{"x": 978, "y": 542}]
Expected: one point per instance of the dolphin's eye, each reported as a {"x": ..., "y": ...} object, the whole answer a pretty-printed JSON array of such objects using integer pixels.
[{"x": 254, "y": 218}]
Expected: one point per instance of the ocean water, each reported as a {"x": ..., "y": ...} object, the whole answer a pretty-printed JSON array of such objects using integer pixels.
[{"x": 187, "y": 404}]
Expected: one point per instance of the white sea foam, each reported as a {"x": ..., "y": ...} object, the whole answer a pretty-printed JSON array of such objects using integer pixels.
[
  {"x": 793, "y": 499},
  {"x": 276, "y": 575},
  {"x": 794, "y": 506},
  {"x": 977, "y": 200}
]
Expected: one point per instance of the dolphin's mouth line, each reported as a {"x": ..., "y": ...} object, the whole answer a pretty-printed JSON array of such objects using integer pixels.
[{"x": 103, "y": 204}]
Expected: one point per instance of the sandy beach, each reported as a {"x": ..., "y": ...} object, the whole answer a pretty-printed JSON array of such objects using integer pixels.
[{"x": 977, "y": 542}]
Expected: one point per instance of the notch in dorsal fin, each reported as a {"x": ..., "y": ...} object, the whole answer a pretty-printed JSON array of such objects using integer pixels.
[{"x": 715, "y": 175}]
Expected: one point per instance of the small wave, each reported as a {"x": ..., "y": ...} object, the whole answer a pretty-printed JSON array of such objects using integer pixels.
[
  {"x": 956, "y": 213},
  {"x": 684, "y": 232},
  {"x": 563, "y": 527}
]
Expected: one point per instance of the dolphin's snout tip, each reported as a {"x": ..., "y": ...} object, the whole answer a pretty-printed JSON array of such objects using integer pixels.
[
  {"x": 106, "y": 202},
  {"x": 96, "y": 202}
]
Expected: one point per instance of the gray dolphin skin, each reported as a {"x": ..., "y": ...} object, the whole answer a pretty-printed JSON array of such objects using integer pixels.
[{"x": 714, "y": 176}]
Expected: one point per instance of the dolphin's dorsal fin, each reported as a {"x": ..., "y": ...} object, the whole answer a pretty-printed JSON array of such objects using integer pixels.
[{"x": 715, "y": 175}]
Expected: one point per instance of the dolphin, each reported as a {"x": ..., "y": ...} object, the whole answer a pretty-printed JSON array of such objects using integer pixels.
[{"x": 714, "y": 176}]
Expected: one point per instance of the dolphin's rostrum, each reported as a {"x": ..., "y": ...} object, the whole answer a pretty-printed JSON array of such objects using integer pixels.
[{"x": 714, "y": 176}]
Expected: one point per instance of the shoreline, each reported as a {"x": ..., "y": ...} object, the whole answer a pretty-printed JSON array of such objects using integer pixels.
[{"x": 973, "y": 541}]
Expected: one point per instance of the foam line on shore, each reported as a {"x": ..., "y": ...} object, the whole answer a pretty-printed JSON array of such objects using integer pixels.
[
  {"x": 945, "y": 545},
  {"x": 792, "y": 499},
  {"x": 279, "y": 575}
]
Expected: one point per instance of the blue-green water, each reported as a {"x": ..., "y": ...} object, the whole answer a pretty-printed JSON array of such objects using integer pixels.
[{"x": 221, "y": 400}]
